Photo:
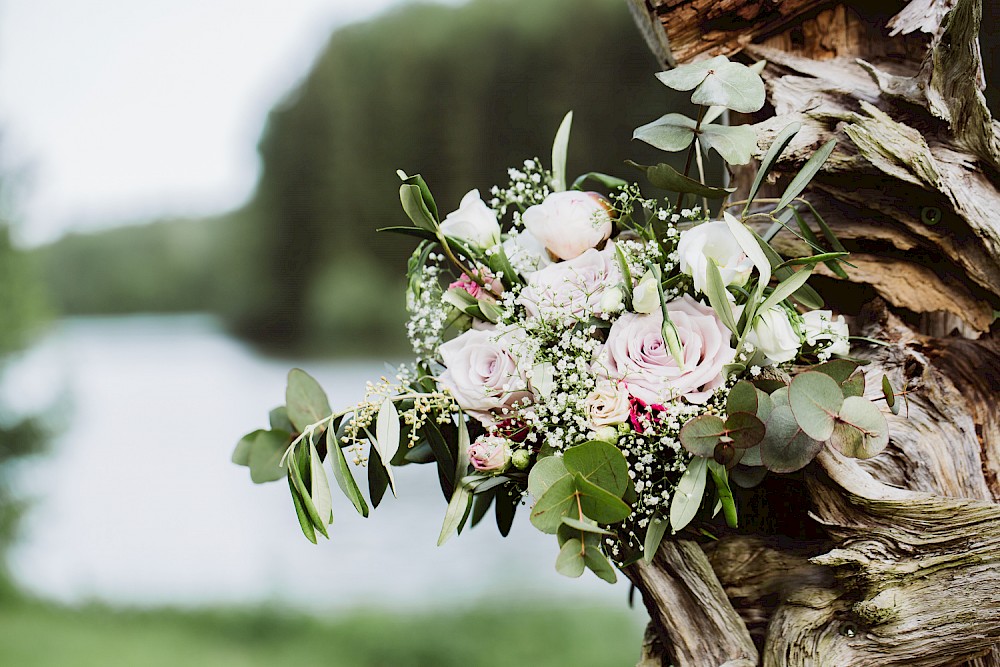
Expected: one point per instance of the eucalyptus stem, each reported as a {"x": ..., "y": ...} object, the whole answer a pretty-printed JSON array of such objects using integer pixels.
[{"x": 691, "y": 151}]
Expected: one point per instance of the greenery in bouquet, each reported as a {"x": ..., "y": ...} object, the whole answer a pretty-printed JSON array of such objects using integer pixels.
[{"x": 616, "y": 364}]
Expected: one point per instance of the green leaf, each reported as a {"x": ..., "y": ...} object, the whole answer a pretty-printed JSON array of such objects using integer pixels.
[
  {"x": 688, "y": 494},
  {"x": 826, "y": 258},
  {"x": 305, "y": 521},
  {"x": 716, "y": 110},
  {"x": 610, "y": 182},
  {"x": 861, "y": 431},
  {"x": 801, "y": 180},
  {"x": 305, "y": 400},
  {"x": 672, "y": 132},
  {"x": 721, "y": 478},
  {"x": 454, "y": 516},
  {"x": 416, "y": 208},
  {"x": 598, "y": 503},
  {"x": 731, "y": 85},
  {"x": 785, "y": 447},
  {"x": 444, "y": 456},
  {"x": 555, "y": 503},
  {"x": 665, "y": 177},
  {"x": 690, "y": 75},
  {"x": 298, "y": 470},
  {"x": 742, "y": 398},
  {"x": 599, "y": 565},
  {"x": 481, "y": 503},
  {"x": 241, "y": 454},
  {"x": 806, "y": 295},
  {"x": 600, "y": 463},
  {"x": 735, "y": 143},
  {"x": 266, "y": 448},
  {"x": 655, "y": 531},
  {"x": 831, "y": 238},
  {"x": 500, "y": 264},
  {"x": 546, "y": 472},
  {"x": 751, "y": 457},
  {"x": 701, "y": 434},
  {"x": 378, "y": 481},
  {"x": 717, "y": 295},
  {"x": 342, "y": 473},
  {"x": 570, "y": 562},
  {"x": 779, "y": 396},
  {"x": 586, "y": 526},
  {"x": 506, "y": 507},
  {"x": 744, "y": 429},
  {"x": 559, "y": 148},
  {"x": 748, "y": 243},
  {"x": 785, "y": 289},
  {"x": 815, "y": 400},
  {"x": 425, "y": 192},
  {"x": 854, "y": 385},
  {"x": 839, "y": 369},
  {"x": 887, "y": 391},
  {"x": 386, "y": 442},
  {"x": 319, "y": 486},
  {"x": 764, "y": 405},
  {"x": 777, "y": 147},
  {"x": 278, "y": 418}
]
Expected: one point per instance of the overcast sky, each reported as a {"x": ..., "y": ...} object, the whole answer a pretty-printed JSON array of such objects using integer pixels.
[{"x": 115, "y": 111}]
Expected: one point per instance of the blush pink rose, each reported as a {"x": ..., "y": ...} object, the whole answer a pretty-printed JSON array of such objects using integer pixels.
[
  {"x": 569, "y": 223},
  {"x": 490, "y": 453},
  {"x": 485, "y": 373},
  {"x": 636, "y": 354},
  {"x": 573, "y": 289}
]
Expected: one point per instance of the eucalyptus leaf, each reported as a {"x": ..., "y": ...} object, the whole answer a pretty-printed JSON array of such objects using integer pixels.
[
  {"x": 557, "y": 501},
  {"x": 601, "y": 463},
  {"x": 560, "y": 147},
  {"x": 815, "y": 400},
  {"x": 570, "y": 562},
  {"x": 805, "y": 175},
  {"x": 585, "y": 525},
  {"x": 744, "y": 429},
  {"x": 764, "y": 405},
  {"x": 672, "y": 132},
  {"x": 716, "y": 110},
  {"x": 305, "y": 400},
  {"x": 342, "y": 474},
  {"x": 546, "y": 472},
  {"x": 690, "y": 75},
  {"x": 839, "y": 369},
  {"x": 721, "y": 478},
  {"x": 735, "y": 143},
  {"x": 751, "y": 457},
  {"x": 701, "y": 434},
  {"x": 265, "y": 453},
  {"x": 861, "y": 431},
  {"x": 854, "y": 385},
  {"x": 731, "y": 85},
  {"x": 747, "y": 477},
  {"x": 777, "y": 147},
  {"x": 278, "y": 418},
  {"x": 742, "y": 398},
  {"x": 599, "y": 565},
  {"x": 785, "y": 447},
  {"x": 598, "y": 503},
  {"x": 688, "y": 495}
]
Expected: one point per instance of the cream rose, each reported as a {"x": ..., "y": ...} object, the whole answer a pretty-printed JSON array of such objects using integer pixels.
[
  {"x": 607, "y": 405},
  {"x": 820, "y": 325},
  {"x": 636, "y": 354},
  {"x": 485, "y": 372},
  {"x": 773, "y": 334},
  {"x": 713, "y": 240},
  {"x": 569, "y": 223},
  {"x": 474, "y": 222},
  {"x": 573, "y": 289},
  {"x": 525, "y": 252},
  {"x": 490, "y": 453}
]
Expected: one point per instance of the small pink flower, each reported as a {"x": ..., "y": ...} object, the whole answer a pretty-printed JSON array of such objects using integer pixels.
[
  {"x": 643, "y": 415},
  {"x": 466, "y": 283},
  {"x": 490, "y": 453}
]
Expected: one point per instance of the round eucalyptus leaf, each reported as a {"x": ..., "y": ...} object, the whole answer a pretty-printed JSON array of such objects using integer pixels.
[
  {"x": 701, "y": 434},
  {"x": 744, "y": 429},
  {"x": 751, "y": 457},
  {"x": 786, "y": 448},
  {"x": 854, "y": 385},
  {"x": 742, "y": 398},
  {"x": 672, "y": 132},
  {"x": 747, "y": 477},
  {"x": 735, "y": 143},
  {"x": 689, "y": 75},
  {"x": 779, "y": 397},
  {"x": 764, "y": 405},
  {"x": 815, "y": 401},
  {"x": 725, "y": 454},
  {"x": 570, "y": 562},
  {"x": 838, "y": 369},
  {"x": 861, "y": 431},
  {"x": 731, "y": 85}
]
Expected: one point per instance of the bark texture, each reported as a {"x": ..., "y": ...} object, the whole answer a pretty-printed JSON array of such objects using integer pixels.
[{"x": 895, "y": 560}]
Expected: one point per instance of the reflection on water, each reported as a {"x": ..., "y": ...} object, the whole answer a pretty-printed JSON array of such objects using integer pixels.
[{"x": 139, "y": 504}]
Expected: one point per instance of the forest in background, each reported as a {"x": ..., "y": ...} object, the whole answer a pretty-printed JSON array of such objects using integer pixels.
[{"x": 458, "y": 94}]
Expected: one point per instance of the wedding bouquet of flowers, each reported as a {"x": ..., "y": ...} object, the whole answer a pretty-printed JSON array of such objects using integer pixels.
[{"x": 617, "y": 365}]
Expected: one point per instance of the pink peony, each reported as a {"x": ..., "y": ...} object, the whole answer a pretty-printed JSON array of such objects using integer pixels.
[{"x": 636, "y": 354}]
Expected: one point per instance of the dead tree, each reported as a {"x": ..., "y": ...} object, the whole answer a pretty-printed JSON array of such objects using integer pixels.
[{"x": 895, "y": 560}]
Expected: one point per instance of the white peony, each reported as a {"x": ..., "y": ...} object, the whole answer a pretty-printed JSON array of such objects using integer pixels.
[
  {"x": 773, "y": 334},
  {"x": 569, "y": 223},
  {"x": 820, "y": 325},
  {"x": 474, "y": 222},
  {"x": 713, "y": 240}
]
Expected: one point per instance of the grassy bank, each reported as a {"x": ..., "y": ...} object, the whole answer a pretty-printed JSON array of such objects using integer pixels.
[{"x": 35, "y": 634}]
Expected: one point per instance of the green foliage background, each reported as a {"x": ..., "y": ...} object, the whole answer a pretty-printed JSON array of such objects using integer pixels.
[{"x": 456, "y": 93}]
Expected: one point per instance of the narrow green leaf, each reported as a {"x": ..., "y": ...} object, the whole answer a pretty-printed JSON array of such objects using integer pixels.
[
  {"x": 342, "y": 474},
  {"x": 688, "y": 494},
  {"x": 785, "y": 289},
  {"x": 665, "y": 177},
  {"x": 386, "y": 442},
  {"x": 378, "y": 481},
  {"x": 305, "y": 521},
  {"x": 777, "y": 147},
  {"x": 887, "y": 391},
  {"x": 319, "y": 486},
  {"x": 721, "y": 478},
  {"x": 458, "y": 509},
  {"x": 481, "y": 503},
  {"x": 718, "y": 297},
  {"x": 298, "y": 470},
  {"x": 811, "y": 239},
  {"x": 506, "y": 507},
  {"x": 425, "y": 192},
  {"x": 570, "y": 562},
  {"x": 610, "y": 182},
  {"x": 560, "y": 147},
  {"x": 415, "y": 207},
  {"x": 825, "y": 258},
  {"x": 655, "y": 531},
  {"x": 801, "y": 180}
]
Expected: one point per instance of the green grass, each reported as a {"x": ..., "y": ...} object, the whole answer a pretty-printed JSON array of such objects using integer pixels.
[{"x": 534, "y": 635}]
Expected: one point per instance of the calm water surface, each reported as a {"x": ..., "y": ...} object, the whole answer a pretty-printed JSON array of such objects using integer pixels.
[{"x": 138, "y": 503}]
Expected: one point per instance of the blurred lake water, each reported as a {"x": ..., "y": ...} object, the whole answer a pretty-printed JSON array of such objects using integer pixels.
[{"x": 137, "y": 502}]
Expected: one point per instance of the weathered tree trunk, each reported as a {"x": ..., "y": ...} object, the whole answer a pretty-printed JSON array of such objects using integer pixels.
[{"x": 896, "y": 560}]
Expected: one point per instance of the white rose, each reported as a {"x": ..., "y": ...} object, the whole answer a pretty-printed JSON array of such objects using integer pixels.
[
  {"x": 485, "y": 372},
  {"x": 607, "y": 405},
  {"x": 612, "y": 301},
  {"x": 645, "y": 295},
  {"x": 525, "y": 252},
  {"x": 569, "y": 223},
  {"x": 820, "y": 325},
  {"x": 474, "y": 222},
  {"x": 773, "y": 334},
  {"x": 574, "y": 289},
  {"x": 713, "y": 240}
]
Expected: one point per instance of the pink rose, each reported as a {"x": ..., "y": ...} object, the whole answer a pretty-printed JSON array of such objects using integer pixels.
[
  {"x": 483, "y": 372},
  {"x": 493, "y": 285},
  {"x": 573, "y": 289},
  {"x": 636, "y": 354},
  {"x": 490, "y": 453},
  {"x": 569, "y": 223}
]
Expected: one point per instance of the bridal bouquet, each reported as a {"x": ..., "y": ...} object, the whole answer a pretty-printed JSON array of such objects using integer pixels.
[{"x": 616, "y": 365}]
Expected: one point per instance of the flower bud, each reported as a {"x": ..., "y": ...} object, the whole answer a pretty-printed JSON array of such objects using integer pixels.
[{"x": 521, "y": 458}]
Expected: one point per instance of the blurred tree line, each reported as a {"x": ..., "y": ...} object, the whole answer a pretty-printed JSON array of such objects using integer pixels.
[{"x": 456, "y": 93}]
